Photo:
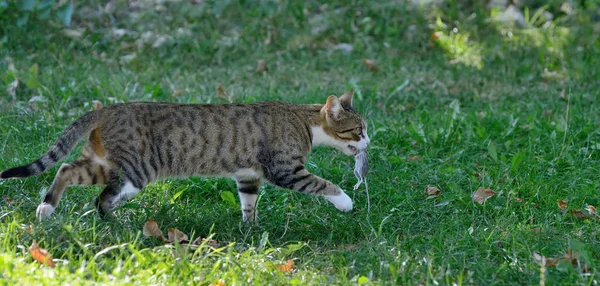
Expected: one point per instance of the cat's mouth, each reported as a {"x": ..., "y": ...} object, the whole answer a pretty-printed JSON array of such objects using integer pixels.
[{"x": 353, "y": 149}]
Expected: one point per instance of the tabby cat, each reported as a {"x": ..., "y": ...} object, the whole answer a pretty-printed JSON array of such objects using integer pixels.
[{"x": 133, "y": 144}]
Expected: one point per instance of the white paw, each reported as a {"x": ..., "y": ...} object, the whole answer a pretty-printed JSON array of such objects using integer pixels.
[
  {"x": 341, "y": 201},
  {"x": 44, "y": 210}
]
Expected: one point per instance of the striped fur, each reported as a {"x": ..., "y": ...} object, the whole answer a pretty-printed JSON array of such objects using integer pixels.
[{"x": 133, "y": 144}]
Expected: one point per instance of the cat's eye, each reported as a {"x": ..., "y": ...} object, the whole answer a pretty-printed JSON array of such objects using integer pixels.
[{"x": 359, "y": 131}]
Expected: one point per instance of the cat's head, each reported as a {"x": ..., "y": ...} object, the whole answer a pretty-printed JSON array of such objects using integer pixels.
[{"x": 343, "y": 128}]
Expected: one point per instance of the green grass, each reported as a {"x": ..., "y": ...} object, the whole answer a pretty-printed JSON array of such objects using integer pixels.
[{"x": 484, "y": 106}]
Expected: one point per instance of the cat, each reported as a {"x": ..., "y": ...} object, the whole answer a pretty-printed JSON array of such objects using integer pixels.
[{"x": 133, "y": 144}]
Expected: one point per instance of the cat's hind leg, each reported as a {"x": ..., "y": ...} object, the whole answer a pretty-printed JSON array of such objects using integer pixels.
[
  {"x": 83, "y": 171},
  {"x": 116, "y": 191}
]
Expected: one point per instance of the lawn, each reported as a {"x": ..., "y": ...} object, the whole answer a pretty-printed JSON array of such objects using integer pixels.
[{"x": 454, "y": 101}]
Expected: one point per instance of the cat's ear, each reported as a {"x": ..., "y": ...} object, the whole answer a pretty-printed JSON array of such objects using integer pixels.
[
  {"x": 347, "y": 98},
  {"x": 332, "y": 107}
]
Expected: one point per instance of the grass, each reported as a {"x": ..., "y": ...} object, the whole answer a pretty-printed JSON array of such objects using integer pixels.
[{"x": 483, "y": 106}]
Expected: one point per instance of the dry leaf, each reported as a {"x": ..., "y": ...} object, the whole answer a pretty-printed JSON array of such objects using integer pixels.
[
  {"x": 96, "y": 104},
  {"x": 210, "y": 242},
  {"x": 562, "y": 205},
  {"x": 536, "y": 230},
  {"x": 287, "y": 268},
  {"x": 591, "y": 209},
  {"x": 579, "y": 214},
  {"x": 481, "y": 195},
  {"x": 517, "y": 199},
  {"x": 570, "y": 256},
  {"x": 41, "y": 255},
  {"x": 151, "y": 229},
  {"x": 221, "y": 91},
  {"x": 412, "y": 158},
  {"x": 221, "y": 282},
  {"x": 177, "y": 235},
  {"x": 178, "y": 92},
  {"x": 432, "y": 191},
  {"x": 261, "y": 67},
  {"x": 478, "y": 175},
  {"x": 74, "y": 33},
  {"x": 436, "y": 35},
  {"x": 370, "y": 64}
]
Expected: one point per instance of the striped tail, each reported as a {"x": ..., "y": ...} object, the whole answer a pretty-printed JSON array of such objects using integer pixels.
[{"x": 59, "y": 150}]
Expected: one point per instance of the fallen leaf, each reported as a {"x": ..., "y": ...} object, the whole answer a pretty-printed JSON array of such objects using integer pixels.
[
  {"x": 592, "y": 210},
  {"x": 210, "y": 242},
  {"x": 287, "y": 267},
  {"x": 432, "y": 191},
  {"x": 176, "y": 235},
  {"x": 221, "y": 91},
  {"x": 151, "y": 229},
  {"x": 536, "y": 230},
  {"x": 221, "y": 282},
  {"x": 261, "y": 67},
  {"x": 562, "y": 205},
  {"x": 370, "y": 64},
  {"x": 74, "y": 33},
  {"x": 517, "y": 199},
  {"x": 436, "y": 35},
  {"x": 481, "y": 195},
  {"x": 579, "y": 214},
  {"x": 412, "y": 158},
  {"x": 178, "y": 92},
  {"x": 477, "y": 175},
  {"x": 41, "y": 255},
  {"x": 96, "y": 104}
]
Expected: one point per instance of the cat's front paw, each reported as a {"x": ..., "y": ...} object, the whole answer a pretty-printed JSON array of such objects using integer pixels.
[
  {"x": 44, "y": 210},
  {"x": 341, "y": 201}
]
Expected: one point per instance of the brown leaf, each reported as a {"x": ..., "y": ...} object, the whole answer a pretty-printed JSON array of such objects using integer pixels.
[
  {"x": 210, "y": 242},
  {"x": 412, "y": 158},
  {"x": 221, "y": 282},
  {"x": 579, "y": 214},
  {"x": 287, "y": 267},
  {"x": 570, "y": 257},
  {"x": 562, "y": 205},
  {"x": 517, "y": 199},
  {"x": 432, "y": 191},
  {"x": 221, "y": 92},
  {"x": 41, "y": 255},
  {"x": 261, "y": 67},
  {"x": 370, "y": 64},
  {"x": 96, "y": 104},
  {"x": 178, "y": 92},
  {"x": 177, "y": 235},
  {"x": 591, "y": 209},
  {"x": 536, "y": 230},
  {"x": 436, "y": 35},
  {"x": 151, "y": 229},
  {"x": 481, "y": 195}
]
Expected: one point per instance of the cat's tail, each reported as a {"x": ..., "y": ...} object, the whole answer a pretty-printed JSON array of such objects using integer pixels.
[{"x": 59, "y": 150}]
